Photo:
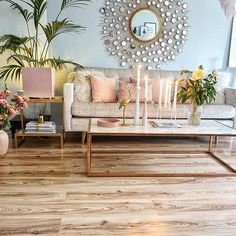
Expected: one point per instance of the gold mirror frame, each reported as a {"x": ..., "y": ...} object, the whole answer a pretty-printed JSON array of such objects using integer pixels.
[{"x": 159, "y": 22}]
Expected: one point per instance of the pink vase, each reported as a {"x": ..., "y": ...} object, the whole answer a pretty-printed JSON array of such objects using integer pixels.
[{"x": 4, "y": 142}]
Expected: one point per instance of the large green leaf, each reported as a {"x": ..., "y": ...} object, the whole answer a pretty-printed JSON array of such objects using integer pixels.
[
  {"x": 22, "y": 60},
  {"x": 40, "y": 6},
  {"x": 58, "y": 63},
  {"x": 12, "y": 42},
  {"x": 27, "y": 15},
  {"x": 55, "y": 28},
  {"x": 73, "y": 3},
  {"x": 10, "y": 71}
]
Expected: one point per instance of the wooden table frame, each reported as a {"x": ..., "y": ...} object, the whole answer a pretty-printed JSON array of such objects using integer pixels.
[
  {"x": 22, "y": 134},
  {"x": 232, "y": 171}
]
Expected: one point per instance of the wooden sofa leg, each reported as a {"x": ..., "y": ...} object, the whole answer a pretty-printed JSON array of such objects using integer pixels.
[
  {"x": 216, "y": 140},
  {"x": 84, "y": 134}
]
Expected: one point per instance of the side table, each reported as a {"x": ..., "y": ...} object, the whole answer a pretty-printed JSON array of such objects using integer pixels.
[{"x": 59, "y": 132}]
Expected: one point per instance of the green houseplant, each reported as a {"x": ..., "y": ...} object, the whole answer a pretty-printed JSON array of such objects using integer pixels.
[
  {"x": 32, "y": 49},
  {"x": 197, "y": 89}
]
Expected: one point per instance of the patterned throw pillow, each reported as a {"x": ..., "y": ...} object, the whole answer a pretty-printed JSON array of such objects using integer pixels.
[
  {"x": 128, "y": 90},
  {"x": 82, "y": 84}
]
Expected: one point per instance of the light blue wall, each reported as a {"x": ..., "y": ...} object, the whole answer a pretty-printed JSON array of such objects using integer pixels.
[
  {"x": 208, "y": 40},
  {"x": 207, "y": 44}
]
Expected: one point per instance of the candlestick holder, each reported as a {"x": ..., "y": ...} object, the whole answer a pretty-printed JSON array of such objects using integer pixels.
[
  {"x": 137, "y": 110},
  {"x": 172, "y": 114}
]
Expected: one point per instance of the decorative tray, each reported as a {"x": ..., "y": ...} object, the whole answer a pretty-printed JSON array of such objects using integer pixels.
[{"x": 108, "y": 122}]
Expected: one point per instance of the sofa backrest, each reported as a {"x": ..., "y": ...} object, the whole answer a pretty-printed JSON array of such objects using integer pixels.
[
  {"x": 155, "y": 76},
  {"x": 127, "y": 73}
]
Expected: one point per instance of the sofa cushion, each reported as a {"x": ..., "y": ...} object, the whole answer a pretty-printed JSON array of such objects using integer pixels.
[
  {"x": 230, "y": 96},
  {"x": 80, "y": 124},
  {"x": 218, "y": 112},
  {"x": 129, "y": 90},
  {"x": 108, "y": 110},
  {"x": 82, "y": 85},
  {"x": 220, "y": 95},
  {"x": 112, "y": 110},
  {"x": 103, "y": 89}
]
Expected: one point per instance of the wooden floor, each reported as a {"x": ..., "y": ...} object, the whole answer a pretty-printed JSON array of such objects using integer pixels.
[{"x": 44, "y": 191}]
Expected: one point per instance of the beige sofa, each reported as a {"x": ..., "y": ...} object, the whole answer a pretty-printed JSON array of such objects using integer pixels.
[{"x": 77, "y": 114}]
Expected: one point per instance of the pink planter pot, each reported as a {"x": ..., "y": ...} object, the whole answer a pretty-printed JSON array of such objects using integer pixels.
[
  {"x": 38, "y": 82},
  {"x": 4, "y": 142}
]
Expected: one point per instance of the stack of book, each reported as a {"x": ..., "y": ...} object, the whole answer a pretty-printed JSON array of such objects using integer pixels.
[
  {"x": 156, "y": 124},
  {"x": 48, "y": 127}
]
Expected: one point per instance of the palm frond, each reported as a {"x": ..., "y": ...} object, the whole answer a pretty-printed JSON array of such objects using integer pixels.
[
  {"x": 20, "y": 59},
  {"x": 73, "y": 3},
  {"x": 10, "y": 71},
  {"x": 25, "y": 51},
  {"x": 55, "y": 28},
  {"x": 27, "y": 15},
  {"x": 58, "y": 63},
  {"x": 12, "y": 42},
  {"x": 28, "y": 3},
  {"x": 40, "y": 6}
]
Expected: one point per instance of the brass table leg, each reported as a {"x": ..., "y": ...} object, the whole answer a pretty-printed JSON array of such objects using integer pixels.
[
  {"x": 84, "y": 134},
  {"x": 232, "y": 171},
  {"x": 210, "y": 144},
  {"x": 89, "y": 142}
]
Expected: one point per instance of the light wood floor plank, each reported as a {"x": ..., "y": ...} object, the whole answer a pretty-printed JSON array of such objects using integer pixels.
[{"x": 44, "y": 190}]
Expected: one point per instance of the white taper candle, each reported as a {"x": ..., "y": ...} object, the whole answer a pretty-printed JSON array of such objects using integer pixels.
[
  {"x": 166, "y": 94},
  {"x": 146, "y": 88},
  {"x": 160, "y": 95},
  {"x": 175, "y": 95},
  {"x": 136, "y": 118},
  {"x": 169, "y": 96}
]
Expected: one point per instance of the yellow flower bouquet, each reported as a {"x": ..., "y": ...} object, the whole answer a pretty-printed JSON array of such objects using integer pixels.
[{"x": 196, "y": 89}]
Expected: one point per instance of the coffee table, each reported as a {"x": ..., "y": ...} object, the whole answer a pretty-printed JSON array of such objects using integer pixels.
[{"x": 208, "y": 128}]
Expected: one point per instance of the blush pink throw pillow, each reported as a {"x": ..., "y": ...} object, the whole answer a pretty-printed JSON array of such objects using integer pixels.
[{"x": 103, "y": 89}]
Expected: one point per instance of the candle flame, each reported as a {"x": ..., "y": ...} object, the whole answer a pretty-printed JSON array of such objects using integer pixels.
[{"x": 140, "y": 66}]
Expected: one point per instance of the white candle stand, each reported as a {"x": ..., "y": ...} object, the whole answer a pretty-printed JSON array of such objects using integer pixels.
[{"x": 173, "y": 117}]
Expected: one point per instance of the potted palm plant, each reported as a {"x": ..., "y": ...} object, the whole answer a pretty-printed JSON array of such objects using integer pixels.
[{"x": 29, "y": 55}]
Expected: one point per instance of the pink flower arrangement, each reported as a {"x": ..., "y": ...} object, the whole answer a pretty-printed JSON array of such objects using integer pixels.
[{"x": 7, "y": 110}]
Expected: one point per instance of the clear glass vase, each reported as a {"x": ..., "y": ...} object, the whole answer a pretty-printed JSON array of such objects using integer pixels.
[{"x": 194, "y": 114}]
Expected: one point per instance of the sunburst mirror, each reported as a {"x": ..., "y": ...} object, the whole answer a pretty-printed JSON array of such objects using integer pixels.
[{"x": 150, "y": 32}]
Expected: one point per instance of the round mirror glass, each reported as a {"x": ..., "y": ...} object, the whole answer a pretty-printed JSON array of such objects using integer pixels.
[{"x": 145, "y": 25}]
